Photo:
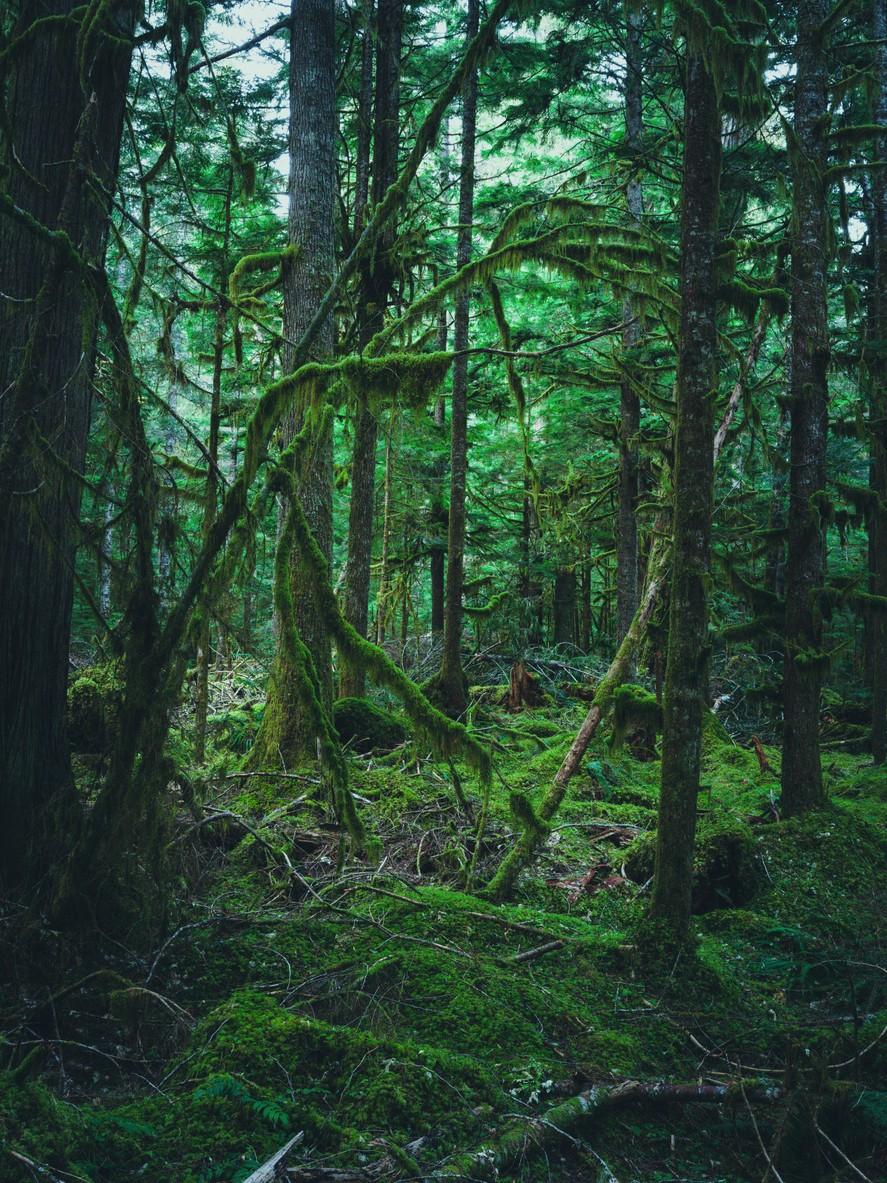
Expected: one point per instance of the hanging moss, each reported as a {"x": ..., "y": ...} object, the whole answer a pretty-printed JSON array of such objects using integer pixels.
[{"x": 411, "y": 377}]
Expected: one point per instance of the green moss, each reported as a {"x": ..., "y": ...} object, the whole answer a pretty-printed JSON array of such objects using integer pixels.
[
  {"x": 366, "y": 727},
  {"x": 726, "y": 869},
  {"x": 94, "y": 701}
]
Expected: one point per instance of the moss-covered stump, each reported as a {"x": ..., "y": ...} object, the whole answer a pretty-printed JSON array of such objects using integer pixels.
[
  {"x": 94, "y": 699},
  {"x": 726, "y": 869},
  {"x": 637, "y": 718},
  {"x": 367, "y": 728}
]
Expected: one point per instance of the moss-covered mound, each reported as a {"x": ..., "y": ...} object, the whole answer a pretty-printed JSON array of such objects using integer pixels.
[
  {"x": 726, "y": 867},
  {"x": 94, "y": 699},
  {"x": 367, "y": 728}
]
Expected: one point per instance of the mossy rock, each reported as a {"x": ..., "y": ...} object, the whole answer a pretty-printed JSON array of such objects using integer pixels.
[
  {"x": 94, "y": 700},
  {"x": 366, "y": 727},
  {"x": 726, "y": 869}
]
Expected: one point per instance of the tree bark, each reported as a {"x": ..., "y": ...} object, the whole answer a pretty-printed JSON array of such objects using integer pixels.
[
  {"x": 377, "y": 281},
  {"x": 687, "y": 664},
  {"x": 452, "y": 677},
  {"x": 627, "y": 585},
  {"x": 64, "y": 113},
  {"x": 287, "y": 730},
  {"x": 564, "y": 608},
  {"x": 802, "y": 787},
  {"x": 876, "y": 624}
]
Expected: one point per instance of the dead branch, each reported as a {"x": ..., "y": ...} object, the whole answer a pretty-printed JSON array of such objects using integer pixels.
[{"x": 274, "y": 1167}]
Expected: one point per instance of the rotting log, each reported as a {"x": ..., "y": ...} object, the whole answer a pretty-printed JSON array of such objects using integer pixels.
[{"x": 558, "y": 1124}]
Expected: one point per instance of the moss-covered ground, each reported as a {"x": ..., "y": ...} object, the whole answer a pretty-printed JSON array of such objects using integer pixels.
[{"x": 394, "y": 1015}]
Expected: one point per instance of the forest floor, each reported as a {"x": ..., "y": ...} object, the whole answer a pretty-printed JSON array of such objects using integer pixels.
[{"x": 396, "y": 1019}]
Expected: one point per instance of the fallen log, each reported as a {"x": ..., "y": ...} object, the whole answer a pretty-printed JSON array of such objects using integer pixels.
[
  {"x": 273, "y": 1168},
  {"x": 558, "y": 1123}
]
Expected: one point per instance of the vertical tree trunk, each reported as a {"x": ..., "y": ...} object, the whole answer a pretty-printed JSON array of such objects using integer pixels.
[
  {"x": 383, "y": 593},
  {"x": 438, "y": 514},
  {"x": 876, "y": 625},
  {"x": 627, "y": 584},
  {"x": 376, "y": 283},
  {"x": 63, "y": 117},
  {"x": 802, "y": 787},
  {"x": 287, "y": 731},
  {"x": 686, "y": 670},
  {"x": 452, "y": 677},
  {"x": 204, "y": 640},
  {"x": 564, "y": 610}
]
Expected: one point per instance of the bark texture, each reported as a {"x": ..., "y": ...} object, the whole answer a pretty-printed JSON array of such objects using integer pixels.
[
  {"x": 876, "y": 625},
  {"x": 627, "y": 586},
  {"x": 64, "y": 114},
  {"x": 288, "y": 732},
  {"x": 452, "y": 677},
  {"x": 802, "y": 787},
  {"x": 377, "y": 280},
  {"x": 687, "y": 665}
]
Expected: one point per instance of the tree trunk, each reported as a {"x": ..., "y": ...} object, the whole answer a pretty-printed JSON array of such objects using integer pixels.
[
  {"x": 564, "y": 606},
  {"x": 287, "y": 730},
  {"x": 627, "y": 584},
  {"x": 802, "y": 787},
  {"x": 376, "y": 284},
  {"x": 687, "y": 664},
  {"x": 452, "y": 677},
  {"x": 876, "y": 624},
  {"x": 438, "y": 516},
  {"x": 59, "y": 133}
]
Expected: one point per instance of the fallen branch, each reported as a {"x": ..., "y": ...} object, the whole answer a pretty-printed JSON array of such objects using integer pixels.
[
  {"x": 520, "y": 856},
  {"x": 273, "y": 1167},
  {"x": 558, "y": 1123},
  {"x": 539, "y": 951}
]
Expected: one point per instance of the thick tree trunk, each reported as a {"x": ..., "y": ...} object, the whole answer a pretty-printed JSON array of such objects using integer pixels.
[
  {"x": 59, "y": 133},
  {"x": 452, "y": 677},
  {"x": 376, "y": 283},
  {"x": 287, "y": 731},
  {"x": 627, "y": 584},
  {"x": 687, "y": 664},
  {"x": 876, "y": 624},
  {"x": 802, "y": 787}
]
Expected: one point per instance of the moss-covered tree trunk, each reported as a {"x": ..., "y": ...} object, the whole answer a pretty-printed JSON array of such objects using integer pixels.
[
  {"x": 64, "y": 102},
  {"x": 687, "y": 665},
  {"x": 452, "y": 677},
  {"x": 288, "y": 729},
  {"x": 627, "y": 585},
  {"x": 876, "y": 625},
  {"x": 377, "y": 280},
  {"x": 804, "y": 661}
]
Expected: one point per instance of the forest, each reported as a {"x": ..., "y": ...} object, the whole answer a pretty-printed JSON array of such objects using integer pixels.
[{"x": 443, "y": 591}]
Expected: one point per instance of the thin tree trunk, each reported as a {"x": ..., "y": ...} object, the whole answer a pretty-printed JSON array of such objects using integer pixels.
[
  {"x": 802, "y": 787},
  {"x": 287, "y": 730},
  {"x": 382, "y": 594},
  {"x": 59, "y": 136},
  {"x": 452, "y": 677},
  {"x": 686, "y": 674},
  {"x": 876, "y": 624},
  {"x": 377, "y": 282},
  {"x": 204, "y": 640},
  {"x": 627, "y": 584}
]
